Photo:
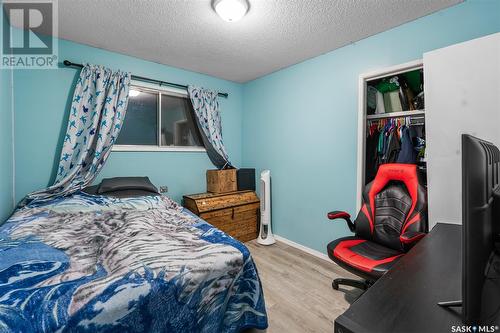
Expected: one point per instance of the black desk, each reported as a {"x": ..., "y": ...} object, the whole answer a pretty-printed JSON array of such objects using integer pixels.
[{"x": 405, "y": 299}]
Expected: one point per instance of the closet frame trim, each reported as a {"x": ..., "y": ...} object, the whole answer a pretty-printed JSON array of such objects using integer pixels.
[{"x": 363, "y": 78}]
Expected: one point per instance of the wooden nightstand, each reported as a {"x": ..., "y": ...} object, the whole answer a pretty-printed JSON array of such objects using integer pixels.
[{"x": 235, "y": 213}]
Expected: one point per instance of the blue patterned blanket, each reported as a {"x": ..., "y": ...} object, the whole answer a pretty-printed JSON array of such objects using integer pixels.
[{"x": 89, "y": 263}]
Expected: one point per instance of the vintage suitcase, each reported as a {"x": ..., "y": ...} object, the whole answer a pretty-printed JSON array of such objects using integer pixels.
[{"x": 235, "y": 213}]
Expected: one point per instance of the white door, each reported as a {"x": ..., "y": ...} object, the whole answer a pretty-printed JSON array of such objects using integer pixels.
[{"x": 462, "y": 95}]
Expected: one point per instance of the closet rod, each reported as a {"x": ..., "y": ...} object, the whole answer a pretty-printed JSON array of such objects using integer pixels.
[
  {"x": 396, "y": 114},
  {"x": 145, "y": 79}
]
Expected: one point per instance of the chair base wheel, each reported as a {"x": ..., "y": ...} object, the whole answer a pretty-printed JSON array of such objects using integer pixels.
[
  {"x": 361, "y": 284},
  {"x": 335, "y": 284}
]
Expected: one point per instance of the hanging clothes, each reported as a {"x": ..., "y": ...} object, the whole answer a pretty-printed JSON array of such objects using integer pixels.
[
  {"x": 408, "y": 153},
  {"x": 393, "y": 147},
  {"x": 393, "y": 140},
  {"x": 371, "y": 154}
]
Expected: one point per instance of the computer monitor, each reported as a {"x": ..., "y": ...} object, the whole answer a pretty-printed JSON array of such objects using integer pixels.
[{"x": 480, "y": 195}]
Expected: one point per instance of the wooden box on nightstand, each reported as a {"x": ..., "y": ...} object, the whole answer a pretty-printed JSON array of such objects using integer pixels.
[
  {"x": 221, "y": 181},
  {"x": 235, "y": 213}
]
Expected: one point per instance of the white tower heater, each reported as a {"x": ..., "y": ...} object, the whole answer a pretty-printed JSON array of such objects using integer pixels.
[{"x": 265, "y": 235}]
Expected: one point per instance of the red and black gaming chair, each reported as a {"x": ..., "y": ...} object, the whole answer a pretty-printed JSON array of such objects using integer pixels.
[{"x": 393, "y": 217}]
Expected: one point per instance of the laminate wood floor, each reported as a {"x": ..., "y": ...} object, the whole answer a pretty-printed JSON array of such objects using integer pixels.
[{"x": 297, "y": 289}]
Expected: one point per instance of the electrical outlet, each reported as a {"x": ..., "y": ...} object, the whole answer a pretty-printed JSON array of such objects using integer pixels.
[{"x": 163, "y": 189}]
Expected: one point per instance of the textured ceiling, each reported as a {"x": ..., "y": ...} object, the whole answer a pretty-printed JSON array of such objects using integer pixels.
[{"x": 273, "y": 35}]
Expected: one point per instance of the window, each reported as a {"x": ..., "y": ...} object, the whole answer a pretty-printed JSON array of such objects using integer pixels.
[
  {"x": 158, "y": 120},
  {"x": 140, "y": 126}
]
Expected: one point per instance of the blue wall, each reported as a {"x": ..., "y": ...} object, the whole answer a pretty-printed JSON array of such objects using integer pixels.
[
  {"x": 41, "y": 109},
  {"x": 6, "y": 153},
  {"x": 301, "y": 122}
]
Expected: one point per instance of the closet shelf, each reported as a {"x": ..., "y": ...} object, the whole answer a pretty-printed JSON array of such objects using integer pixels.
[{"x": 396, "y": 114}]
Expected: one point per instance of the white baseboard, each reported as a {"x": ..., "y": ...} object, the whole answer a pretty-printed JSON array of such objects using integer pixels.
[{"x": 303, "y": 248}]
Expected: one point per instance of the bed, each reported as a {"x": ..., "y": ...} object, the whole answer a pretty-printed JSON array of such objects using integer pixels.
[{"x": 88, "y": 263}]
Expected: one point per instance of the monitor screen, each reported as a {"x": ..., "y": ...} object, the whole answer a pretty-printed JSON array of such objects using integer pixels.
[{"x": 480, "y": 180}]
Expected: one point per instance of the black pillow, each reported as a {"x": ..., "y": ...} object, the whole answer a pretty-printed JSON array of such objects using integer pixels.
[
  {"x": 125, "y": 184},
  {"x": 129, "y": 194},
  {"x": 119, "y": 194}
]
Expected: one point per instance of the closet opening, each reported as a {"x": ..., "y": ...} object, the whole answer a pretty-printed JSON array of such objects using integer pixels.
[{"x": 391, "y": 126}]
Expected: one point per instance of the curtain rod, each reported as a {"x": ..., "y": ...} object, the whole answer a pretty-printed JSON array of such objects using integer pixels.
[{"x": 145, "y": 79}]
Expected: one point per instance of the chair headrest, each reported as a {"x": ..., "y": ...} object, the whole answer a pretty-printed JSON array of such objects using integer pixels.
[
  {"x": 405, "y": 173},
  {"x": 398, "y": 171}
]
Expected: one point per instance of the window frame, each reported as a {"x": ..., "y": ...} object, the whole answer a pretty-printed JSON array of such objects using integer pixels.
[{"x": 154, "y": 88}]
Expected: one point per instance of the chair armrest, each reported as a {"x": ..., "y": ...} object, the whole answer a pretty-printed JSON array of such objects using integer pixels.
[
  {"x": 337, "y": 214},
  {"x": 411, "y": 237}
]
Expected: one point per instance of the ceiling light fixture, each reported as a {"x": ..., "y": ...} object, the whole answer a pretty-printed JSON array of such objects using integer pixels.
[
  {"x": 231, "y": 10},
  {"x": 134, "y": 93}
]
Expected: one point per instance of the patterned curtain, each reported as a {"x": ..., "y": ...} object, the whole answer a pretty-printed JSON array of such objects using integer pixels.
[
  {"x": 206, "y": 108},
  {"x": 96, "y": 116}
]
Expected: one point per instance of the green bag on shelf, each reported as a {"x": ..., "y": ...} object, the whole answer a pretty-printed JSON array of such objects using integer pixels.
[{"x": 386, "y": 86}]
